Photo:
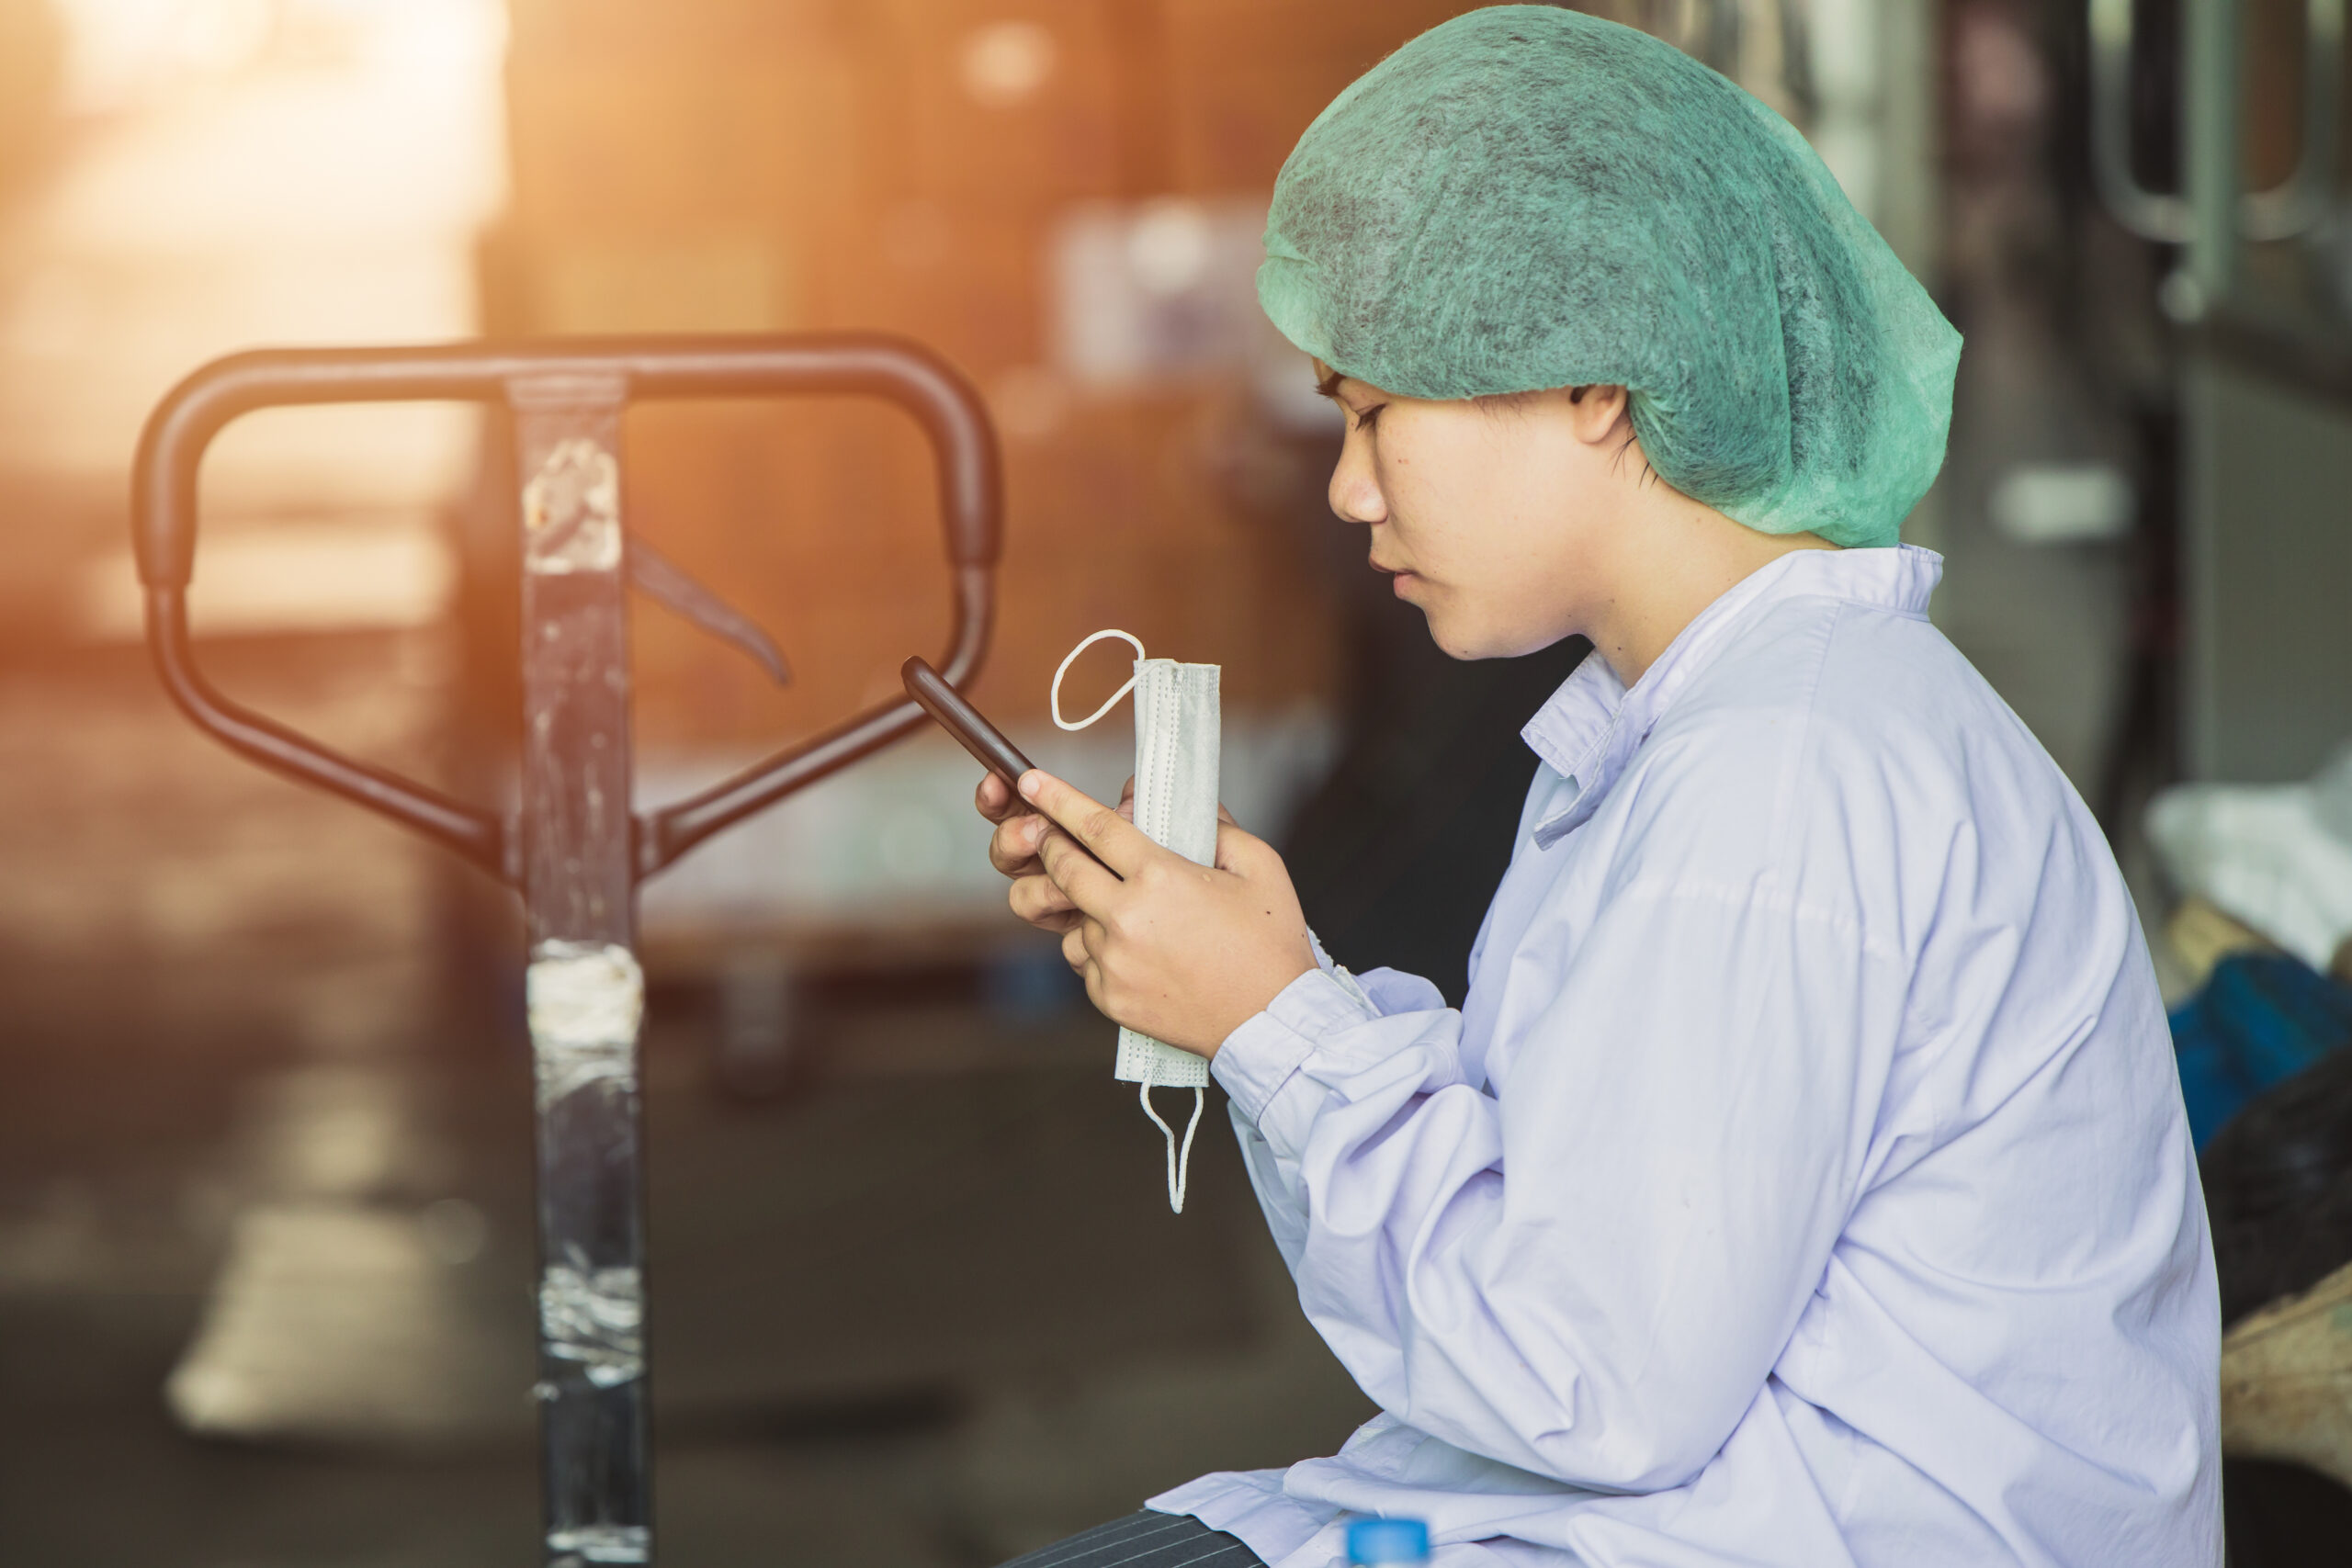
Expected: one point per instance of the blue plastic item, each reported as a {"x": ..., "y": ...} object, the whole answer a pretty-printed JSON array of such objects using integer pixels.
[
  {"x": 2261, "y": 1018},
  {"x": 1389, "y": 1540}
]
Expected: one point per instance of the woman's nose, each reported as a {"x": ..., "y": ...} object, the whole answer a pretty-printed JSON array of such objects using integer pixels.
[{"x": 1355, "y": 491}]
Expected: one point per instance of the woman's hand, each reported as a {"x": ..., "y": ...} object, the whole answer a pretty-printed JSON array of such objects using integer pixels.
[
  {"x": 1186, "y": 954},
  {"x": 1012, "y": 848}
]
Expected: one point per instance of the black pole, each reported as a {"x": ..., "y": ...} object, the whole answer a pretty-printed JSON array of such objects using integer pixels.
[{"x": 587, "y": 993}]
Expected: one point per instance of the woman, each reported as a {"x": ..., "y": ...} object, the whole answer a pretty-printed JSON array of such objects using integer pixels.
[{"x": 1804, "y": 1180}]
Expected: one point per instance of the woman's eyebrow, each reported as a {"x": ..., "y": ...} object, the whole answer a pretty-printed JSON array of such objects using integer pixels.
[{"x": 1328, "y": 386}]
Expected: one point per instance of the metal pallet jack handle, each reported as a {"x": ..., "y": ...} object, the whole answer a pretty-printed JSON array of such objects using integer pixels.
[{"x": 574, "y": 848}]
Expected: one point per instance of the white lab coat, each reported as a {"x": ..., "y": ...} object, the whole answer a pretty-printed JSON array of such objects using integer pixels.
[{"x": 1804, "y": 1180}]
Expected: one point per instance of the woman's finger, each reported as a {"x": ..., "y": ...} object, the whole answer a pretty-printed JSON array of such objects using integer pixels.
[
  {"x": 1082, "y": 877},
  {"x": 1036, "y": 898},
  {"x": 1058, "y": 925},
  {"x": 1012, "y": 848},
  {"x": 1074, "y": 951},
  {"x": 995, "y": 800},
  {"x": 1112, "y": 840},
  {"x": 1242, "y": 853}
]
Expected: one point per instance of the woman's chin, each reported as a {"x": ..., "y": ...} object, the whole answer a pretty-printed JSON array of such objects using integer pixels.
[
  {"x": 1458, "y": 631},
  {"x": 1454, "y": 639},
  {"x": 1462, "y": 637}
]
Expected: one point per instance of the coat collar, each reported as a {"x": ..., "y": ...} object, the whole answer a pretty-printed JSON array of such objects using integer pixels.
[{"x": 1592, "y": 726}]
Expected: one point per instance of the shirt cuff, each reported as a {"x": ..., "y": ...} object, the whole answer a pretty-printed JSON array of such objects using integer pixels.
[{"x": 1263, "y": 1055}]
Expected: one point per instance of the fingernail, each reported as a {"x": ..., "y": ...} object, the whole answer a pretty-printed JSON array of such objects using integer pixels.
[{"x": 1031, "y": 783}]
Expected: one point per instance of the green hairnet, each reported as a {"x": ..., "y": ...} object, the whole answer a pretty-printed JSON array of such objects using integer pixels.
[{"x": 1528, "y": 198}]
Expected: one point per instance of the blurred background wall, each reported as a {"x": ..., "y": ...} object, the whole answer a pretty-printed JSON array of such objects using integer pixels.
[{"x": 264, "y": 1205}]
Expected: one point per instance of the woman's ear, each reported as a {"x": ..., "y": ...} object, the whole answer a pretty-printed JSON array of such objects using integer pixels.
[{"x": 1595, "y": 412}]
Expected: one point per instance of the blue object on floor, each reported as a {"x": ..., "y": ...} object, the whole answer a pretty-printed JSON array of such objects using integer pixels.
[
  {"x": 1372, "y": 1541},
  {"x": 2261, "y": 1018}
]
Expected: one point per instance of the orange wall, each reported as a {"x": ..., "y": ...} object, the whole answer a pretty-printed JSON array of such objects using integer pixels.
[{"x": 782, "y": 164}]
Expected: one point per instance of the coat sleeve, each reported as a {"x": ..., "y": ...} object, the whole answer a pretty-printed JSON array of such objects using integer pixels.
[
  {"x": 1589, "y": 1272},
  {"x": 1375, "y": 993}
]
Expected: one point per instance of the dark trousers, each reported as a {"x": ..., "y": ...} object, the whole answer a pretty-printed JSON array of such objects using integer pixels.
[{"x": 1144, "y": 1540}]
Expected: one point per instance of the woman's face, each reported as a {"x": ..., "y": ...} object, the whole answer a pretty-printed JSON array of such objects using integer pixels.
[{"x": 1486, "y": 513}]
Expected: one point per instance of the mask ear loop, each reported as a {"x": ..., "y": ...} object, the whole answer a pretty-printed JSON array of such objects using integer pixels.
[
  {"x": 1179, "y": 1163},
  {"x": 1055, "y": 700}
]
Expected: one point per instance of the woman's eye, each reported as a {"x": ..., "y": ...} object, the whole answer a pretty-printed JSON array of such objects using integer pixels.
[{"x": 1365, "y": 420}]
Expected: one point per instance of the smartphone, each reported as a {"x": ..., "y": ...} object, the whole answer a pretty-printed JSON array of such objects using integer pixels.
[{"x": 961, "y": 719}]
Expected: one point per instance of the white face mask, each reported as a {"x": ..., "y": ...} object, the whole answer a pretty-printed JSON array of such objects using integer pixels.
[{"x": 1178, "y": 731}]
